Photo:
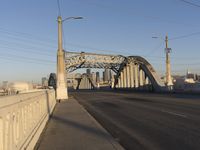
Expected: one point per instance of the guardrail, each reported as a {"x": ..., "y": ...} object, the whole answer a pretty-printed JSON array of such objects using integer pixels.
[{"x": 23, "y": 117}]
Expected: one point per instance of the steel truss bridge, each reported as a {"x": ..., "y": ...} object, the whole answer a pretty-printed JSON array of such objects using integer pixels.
[{"x": 131, "y": 71}]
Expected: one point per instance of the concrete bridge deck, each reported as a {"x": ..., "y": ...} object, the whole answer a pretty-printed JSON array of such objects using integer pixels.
[
  {"x": 146, "y": 121},
  {"x": 71, "y": 127}
]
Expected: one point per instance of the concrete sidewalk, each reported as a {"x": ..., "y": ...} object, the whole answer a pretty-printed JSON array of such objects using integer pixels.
[{"x": 71, "y": 127}]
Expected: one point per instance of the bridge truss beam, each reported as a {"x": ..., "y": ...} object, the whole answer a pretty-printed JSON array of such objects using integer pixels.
[{"x": 131, "y": 72}]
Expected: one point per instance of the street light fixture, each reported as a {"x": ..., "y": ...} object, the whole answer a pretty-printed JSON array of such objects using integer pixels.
[
  {"x": 72, "y": 18},
  {"x": 155, "y": 37},
  {"x": 61, "y": 84}
]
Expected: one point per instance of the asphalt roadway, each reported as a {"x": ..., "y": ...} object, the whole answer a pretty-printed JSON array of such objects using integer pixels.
[{"x": 146, "y": 121}]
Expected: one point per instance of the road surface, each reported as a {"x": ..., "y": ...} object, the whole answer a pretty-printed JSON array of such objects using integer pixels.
[{"x": 146, "y": 121}]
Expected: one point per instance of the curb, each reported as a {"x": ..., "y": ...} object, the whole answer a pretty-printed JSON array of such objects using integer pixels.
[{"x": 115, "y": 144}]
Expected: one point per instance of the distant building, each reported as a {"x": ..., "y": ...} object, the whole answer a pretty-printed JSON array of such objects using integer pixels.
[
  {"x": 15, "y": 87},
  {"x": 5, "y": 84},
  {"x": 192, "y": 76},
  {"x": 187, "y": 83},
  {"x": 44, "y": 82}
]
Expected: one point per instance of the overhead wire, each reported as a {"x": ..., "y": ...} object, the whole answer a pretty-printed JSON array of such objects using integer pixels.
[
  {"x": 26, "y": 58},
  {"x": 190, "y": 3},
  {"x": 27, "y": 35},
  {"x": 185, "y": 36},
  {"x": 25, "y": 50},
  {"x": 110, "y": 7},
  {"x": 21, "y": 45},
  {"x": 16, "y": 45},
  {"x": 59, "y": 10},
  {"x": 154, "y": 49},
  {"x": 28, "y": 47},
  {"x": 23, "y": 61},
  {"x": 18, "y": 37},
  {"x": 26, "y": 42}
]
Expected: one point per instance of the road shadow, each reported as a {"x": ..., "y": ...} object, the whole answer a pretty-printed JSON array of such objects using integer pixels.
[
  {"x": 82, "y": 127},
  {"x": 106, "y": 104},
  {"x": 130, "y": 99}
]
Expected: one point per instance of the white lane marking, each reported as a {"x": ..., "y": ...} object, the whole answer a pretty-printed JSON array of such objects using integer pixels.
[{"x": 173, "y": 113}]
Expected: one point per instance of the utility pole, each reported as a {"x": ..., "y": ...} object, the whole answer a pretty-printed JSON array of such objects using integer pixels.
[
  {"x": 168, "y": 66},
  {"x": 61, "y": 85}
]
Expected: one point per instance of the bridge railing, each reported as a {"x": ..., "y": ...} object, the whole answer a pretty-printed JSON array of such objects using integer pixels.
[{"x": 23, "y": 117}]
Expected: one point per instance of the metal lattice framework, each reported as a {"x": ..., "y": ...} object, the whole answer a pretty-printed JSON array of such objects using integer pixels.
[
  {"x": 146, "y": 67},
  {"x": 117, "y": 63},
  {"x": 74, "y": 60}
]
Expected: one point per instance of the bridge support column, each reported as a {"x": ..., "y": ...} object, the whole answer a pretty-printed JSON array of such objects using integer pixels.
[
  {"x": 87, "y": 83},
  {"x": 128, "y": 76},
  {"x": 147, "y": 81},
  {"x": 83, "y": 83},
  {"x": 61, "y": 86},
  {"x": 122, "y": 79},
  {"x": 112, "y": 81},
  {"x": 136, "y": 75},
  {"x": 90, "y": 85},
  {"x": 125, "y": 77},
  {"x": 141, "y": 78},
  {"x": 119, "y": 82},
  {"x": 131, "y": 66},
  {"x": 79, "y": 85}
]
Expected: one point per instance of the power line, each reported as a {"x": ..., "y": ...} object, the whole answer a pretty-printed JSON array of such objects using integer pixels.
[
  {"x": 21, "y": 38},
  {"x": 190, "y": 3},
  {"x": 129, "y": 10},
  {"x": 18, "y": 36},
  {"x": 24, "y": 42},
  {"x": 23, "y": 45},
  {"x": 23, "y": 61},
  {"x": 27, "y": 35},
  {"x": 155, "y": 49},
  {"x": 185, "y": 36},
  {"x": 59, "y": 11},
  {"x": 99, "y": 50},
  {"x": 26, "y": 58},
  {"x": 21, "y": 49}
]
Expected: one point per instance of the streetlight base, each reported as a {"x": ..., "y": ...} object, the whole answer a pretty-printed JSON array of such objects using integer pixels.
[{"x": 61, "y": 94}]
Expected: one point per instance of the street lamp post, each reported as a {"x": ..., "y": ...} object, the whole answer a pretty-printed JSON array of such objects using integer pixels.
[
  {"x": 169, "y": 82},
  {"x": 61, "y": 85}
]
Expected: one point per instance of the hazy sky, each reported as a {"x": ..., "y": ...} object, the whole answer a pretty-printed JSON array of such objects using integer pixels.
[{"x": 28, "y": 33}]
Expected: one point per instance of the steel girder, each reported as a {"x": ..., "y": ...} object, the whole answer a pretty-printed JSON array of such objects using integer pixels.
[{"x": 74, "y": 60}]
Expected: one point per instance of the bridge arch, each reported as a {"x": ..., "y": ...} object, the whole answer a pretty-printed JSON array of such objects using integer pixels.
[
  {"x": 137, "y": 72},
  {"x": 131, "y": 71}
]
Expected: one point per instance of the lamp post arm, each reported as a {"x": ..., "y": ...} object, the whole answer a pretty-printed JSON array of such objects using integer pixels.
[{"x": 72, "y": 18}]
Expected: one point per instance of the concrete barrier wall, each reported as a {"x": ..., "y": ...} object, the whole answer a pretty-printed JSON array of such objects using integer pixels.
[{"x": 23, "y": 117}]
